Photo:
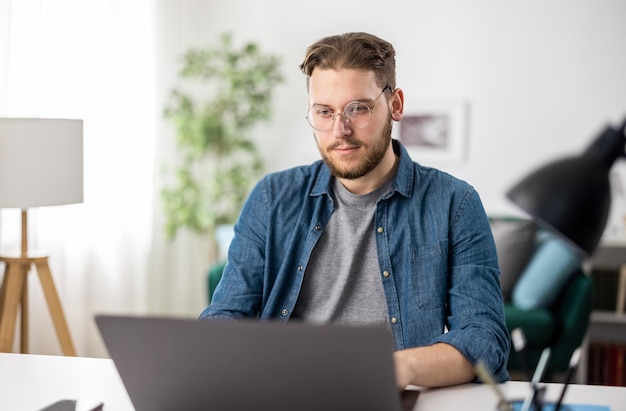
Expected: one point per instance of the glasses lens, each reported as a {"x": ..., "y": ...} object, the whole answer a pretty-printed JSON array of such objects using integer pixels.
[
  {"x": 320, "y": 117},
  {"x": 356, "y": 114}
]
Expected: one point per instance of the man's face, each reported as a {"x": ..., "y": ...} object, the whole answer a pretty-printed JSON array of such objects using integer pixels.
[{"x": 351, "y": 152}]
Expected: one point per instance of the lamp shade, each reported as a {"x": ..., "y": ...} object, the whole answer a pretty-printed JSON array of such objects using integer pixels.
[
  {"x": 41, "y": 162},
  {"x": 572, "y": 196}
]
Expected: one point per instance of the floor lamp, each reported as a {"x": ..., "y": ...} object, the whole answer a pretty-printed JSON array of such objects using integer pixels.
[{"x": 41, "y": 164}]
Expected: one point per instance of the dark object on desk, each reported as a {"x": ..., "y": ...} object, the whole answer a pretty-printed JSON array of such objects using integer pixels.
[
  {"x": 186, "y": 364},
  {"x": 74, "y": 405},
  {"x": 408, "y": 399}
]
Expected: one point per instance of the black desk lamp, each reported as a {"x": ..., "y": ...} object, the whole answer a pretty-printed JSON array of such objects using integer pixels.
[{"x": 572, "y": 196}]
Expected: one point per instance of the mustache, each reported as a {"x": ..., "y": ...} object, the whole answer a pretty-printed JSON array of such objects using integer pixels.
[{"x": 344, "y": 141}]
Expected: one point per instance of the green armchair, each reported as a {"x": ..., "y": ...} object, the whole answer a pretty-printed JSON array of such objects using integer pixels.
[
  {"x": 213, "y": 278},
  {"x": 561, "y": 326},
  {"x": 545, "y": 292}
]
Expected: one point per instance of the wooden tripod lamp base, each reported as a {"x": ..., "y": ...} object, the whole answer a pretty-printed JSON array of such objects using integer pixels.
[{"x": 14, "y": 293}]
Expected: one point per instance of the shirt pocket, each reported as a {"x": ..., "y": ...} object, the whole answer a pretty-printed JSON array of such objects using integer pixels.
[{"x": 429, "y": 275}]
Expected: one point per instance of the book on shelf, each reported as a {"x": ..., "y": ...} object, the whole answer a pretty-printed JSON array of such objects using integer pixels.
[
  {"x": 606, "y": 364},
  {"x": 621, "y": 290}
]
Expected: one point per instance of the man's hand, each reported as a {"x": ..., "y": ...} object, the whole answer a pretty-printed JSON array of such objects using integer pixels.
[
  {"x": 404, "y": 360},
  {"x": 437, "y": 365}
]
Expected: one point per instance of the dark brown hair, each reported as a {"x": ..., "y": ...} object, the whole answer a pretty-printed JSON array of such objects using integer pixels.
[{"x": 360, "y": 51}]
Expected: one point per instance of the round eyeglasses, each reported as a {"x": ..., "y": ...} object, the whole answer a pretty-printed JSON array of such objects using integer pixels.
[{"x": 357, "y": 114}]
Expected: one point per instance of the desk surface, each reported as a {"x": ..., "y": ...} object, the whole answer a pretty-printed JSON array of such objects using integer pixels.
[
  {"x": 480, "y": 397},
  {"x": 29, "y": 382}
]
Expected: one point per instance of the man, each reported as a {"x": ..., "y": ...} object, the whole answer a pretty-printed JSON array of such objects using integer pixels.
[{"x": 367, "y": 236}]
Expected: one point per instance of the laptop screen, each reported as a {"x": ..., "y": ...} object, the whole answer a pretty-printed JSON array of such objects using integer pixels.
[{"x": 170, "y": 363}]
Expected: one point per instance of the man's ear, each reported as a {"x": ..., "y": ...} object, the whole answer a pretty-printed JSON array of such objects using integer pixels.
[{"x": 397, "y": 104}]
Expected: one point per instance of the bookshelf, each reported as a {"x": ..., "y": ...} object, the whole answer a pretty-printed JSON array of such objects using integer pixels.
[
  {"x": 608, "y": 325},
  {"x": 606, "y": 340}
]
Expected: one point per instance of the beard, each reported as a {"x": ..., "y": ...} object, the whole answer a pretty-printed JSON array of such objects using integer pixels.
[{"x": 363, "y": 165}]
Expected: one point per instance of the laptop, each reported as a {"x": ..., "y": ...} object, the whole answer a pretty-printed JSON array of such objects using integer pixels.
[{"x": 187, "y": 364}]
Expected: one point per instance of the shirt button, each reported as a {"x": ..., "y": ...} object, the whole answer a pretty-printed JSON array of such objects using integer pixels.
[
  {"x": 385, "y": 273},
  {"x": 380, "y": 229},
  {"x": 299, "y": 268},
  {"x": 394, "y": 320},
  {"x": 318, "y": 227},
  {"x": 284, "y": 311}
]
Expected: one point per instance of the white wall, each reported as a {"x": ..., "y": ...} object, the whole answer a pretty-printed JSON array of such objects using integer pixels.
[
  {"x": 541, "y": 77},
  {"x": 5, "y": 13}
]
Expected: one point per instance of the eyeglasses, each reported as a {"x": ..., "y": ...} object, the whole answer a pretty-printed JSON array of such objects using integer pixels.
[{"x": 356, "y": 113}]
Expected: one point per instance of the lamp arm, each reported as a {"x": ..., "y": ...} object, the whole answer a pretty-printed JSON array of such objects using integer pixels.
[{"x": 608, "y": 146}]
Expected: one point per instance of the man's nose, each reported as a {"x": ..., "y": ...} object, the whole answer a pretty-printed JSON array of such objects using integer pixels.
[{"x": 341, "y": 126}]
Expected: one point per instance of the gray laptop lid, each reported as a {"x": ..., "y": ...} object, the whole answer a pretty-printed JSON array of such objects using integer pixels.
[{"x": 186, "y": 364}]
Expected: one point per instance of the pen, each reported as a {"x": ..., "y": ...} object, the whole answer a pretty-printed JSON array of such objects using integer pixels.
[
  {"x": 487, "y": 378},
  {"x": 541, "y": 366},
  {"x": 573, "y": 365}
]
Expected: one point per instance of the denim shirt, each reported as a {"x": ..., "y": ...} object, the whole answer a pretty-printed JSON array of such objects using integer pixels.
[{"x": 436, "y": 254}]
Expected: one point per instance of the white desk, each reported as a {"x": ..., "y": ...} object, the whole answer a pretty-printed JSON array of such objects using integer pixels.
[
  {"x": 481, "y": 397},
  {"x": 29, "y": 382}
]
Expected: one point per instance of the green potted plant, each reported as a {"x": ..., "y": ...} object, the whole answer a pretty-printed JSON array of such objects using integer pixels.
[{"x": 223, "y": 92}]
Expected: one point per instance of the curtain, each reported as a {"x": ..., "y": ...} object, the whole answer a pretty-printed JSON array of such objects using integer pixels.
[{"x": 90, "y": 60}]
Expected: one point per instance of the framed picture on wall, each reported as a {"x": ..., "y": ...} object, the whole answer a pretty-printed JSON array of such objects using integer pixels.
[{"x": 434, "y": 132}]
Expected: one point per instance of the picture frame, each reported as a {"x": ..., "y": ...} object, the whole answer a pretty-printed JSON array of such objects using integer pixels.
[{"x": 434, "y": 132}]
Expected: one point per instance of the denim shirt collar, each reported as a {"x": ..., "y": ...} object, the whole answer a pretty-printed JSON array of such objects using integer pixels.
[{"x": 404, "y": 178}]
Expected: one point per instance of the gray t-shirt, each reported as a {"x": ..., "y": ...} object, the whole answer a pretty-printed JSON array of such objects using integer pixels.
[{"x": 342, "y": 283}]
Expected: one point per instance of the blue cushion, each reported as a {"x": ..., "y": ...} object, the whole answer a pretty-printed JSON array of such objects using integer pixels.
[
  {"x": 515, "y": 244},
  {"x": 553, "y": 263}
]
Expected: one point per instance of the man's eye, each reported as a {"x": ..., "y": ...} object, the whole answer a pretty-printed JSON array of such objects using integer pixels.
[
  {"x": 323, "y": 112},
  {"x": 356, "y": 109}
]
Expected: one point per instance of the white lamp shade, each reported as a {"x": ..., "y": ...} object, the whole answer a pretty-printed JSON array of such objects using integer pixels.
[{"x": 41, "y": 162}]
